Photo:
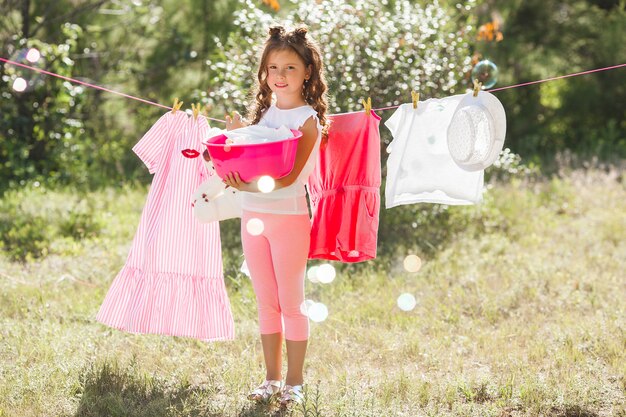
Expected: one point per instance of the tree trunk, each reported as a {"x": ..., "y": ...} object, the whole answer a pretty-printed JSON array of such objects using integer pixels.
[{"x": 25, "y": 19}]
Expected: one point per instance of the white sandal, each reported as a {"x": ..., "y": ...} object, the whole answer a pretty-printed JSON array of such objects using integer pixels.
[
  {"x": 291, "y": 394},
  {"x": 265, "y": 391}
]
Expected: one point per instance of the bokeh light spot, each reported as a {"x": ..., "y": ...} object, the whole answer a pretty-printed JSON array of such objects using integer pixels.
[
  {"x": 317, "y": 312},
  {"x": 33, "y": 55},
  {"x": 20, "y": 84},
  {"x": 406, "y": 302},
  {"x": 266, "y": 184},
  {"x": 311, "y": 274},
  {"x": 412, "y": 263},
  {"x": 255, "y": 226},
  {"x": 326, "y": 273},
  {"x": 304, "y": 307}
]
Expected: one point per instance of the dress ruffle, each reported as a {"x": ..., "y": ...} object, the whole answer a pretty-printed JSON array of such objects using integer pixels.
[{"x": 169, "y": 304}]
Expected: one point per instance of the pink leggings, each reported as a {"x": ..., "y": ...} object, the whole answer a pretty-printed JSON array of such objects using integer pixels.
[{"x": 277, "y": 262}]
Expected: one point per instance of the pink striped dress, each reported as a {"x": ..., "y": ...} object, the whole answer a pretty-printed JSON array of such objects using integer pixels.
[{"x": 172, "y": 282}]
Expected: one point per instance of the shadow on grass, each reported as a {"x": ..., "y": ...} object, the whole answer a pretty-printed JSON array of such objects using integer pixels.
[
  {"x": 108, "y": 390},
  {"x": 574, "y": 411},
  {"x": 565, "y": 411},
  {"x": 262, "y": 410}
]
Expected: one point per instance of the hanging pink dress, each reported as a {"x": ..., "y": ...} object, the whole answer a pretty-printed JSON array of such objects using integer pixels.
[
  {"x": 344, "y": 190},
  {"x": 172, "y": 282}
]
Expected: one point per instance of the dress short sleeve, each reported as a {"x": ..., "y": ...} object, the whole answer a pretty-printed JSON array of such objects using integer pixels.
[
  {"x": 394, "y": 121},
  {"x": 305, "y": 115},
  {"x": 151, "y": 145},
  {"x": 393, "y": 124}
]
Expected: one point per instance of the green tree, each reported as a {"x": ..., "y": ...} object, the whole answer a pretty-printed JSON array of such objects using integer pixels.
[
  {"x": 378, "y": 49},
  {"x": 41, "y": 127},
  {"x": 547, "y": 38},
  {"x": 151, "y": 49}
]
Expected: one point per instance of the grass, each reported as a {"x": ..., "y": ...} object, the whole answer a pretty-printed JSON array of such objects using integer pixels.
[{"x": 521, "y": 313}]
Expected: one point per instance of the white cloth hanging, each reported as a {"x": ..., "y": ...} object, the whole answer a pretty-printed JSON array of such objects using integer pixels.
[{"x": 420, "y": 168}]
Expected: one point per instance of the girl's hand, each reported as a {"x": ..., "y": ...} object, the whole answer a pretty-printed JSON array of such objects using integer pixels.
[
  {"x": 232, "y": 179},
  {"x": 234, "y": 122}
]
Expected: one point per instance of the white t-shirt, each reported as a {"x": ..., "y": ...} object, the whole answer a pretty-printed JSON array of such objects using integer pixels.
[
  {"x": 420, "y": 168},
  {"x": 291, "y": 199}
]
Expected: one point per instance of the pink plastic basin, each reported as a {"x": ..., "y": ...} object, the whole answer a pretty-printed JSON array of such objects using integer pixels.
[{"x": 253, "y": 160}]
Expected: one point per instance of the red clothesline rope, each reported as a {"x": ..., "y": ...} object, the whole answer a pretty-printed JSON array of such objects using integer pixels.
[
  {"x": 223, "y": 121},
  {"x": 557, "y": 78},
  {"x": 82, "y": 82}
]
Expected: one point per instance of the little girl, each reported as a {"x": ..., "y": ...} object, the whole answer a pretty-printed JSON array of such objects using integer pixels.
[{"x": 291, "y": 72}]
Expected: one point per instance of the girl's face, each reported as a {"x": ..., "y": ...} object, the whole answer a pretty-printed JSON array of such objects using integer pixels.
[{"x": 286, "y": 73}]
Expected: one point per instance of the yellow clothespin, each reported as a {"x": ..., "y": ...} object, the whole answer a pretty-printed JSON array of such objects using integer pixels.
[
  {"x": 416, "y": 98},
  {"x": 195, "y": 108},
  {"x": 477, "y": 87},
  {"x": 177, "y": 105},
  {"x": 368, "y": 105}
]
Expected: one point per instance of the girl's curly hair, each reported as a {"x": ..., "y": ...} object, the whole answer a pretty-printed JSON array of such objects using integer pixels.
[{"x": 314, "y": 89}]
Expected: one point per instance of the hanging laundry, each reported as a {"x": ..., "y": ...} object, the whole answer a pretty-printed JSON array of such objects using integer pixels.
[
  {"x": 213, "y": 202},
  {"x": 477, "y": 130},
  {"x": 344, "y": 190},
  {"x": 420, "y": 168},
  {"x": 258, "y": 134},
  {"x": 172, "y": 282}
]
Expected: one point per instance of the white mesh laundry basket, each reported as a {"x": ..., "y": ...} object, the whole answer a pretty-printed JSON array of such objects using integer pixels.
[{"x": 476, "y": 131}]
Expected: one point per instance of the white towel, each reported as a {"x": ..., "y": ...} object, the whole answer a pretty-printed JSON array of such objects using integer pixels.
[{"x": 258, "y": 134}]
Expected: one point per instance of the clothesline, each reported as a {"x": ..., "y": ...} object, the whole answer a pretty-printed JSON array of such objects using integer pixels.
[{"x": 223, "y": 121}]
